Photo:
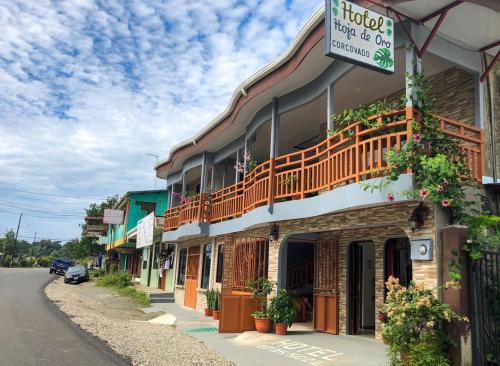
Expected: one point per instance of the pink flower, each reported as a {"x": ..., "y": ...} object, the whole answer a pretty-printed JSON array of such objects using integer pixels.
[
  {"x": 445, "y": 203},
  {"x": 390, "y": 197},
  {"x": 439, "y": 188},
  {"x": 445, "y": 183},
  {"x": 424, "y": 193},
  {"x": 417, "y": 138}
]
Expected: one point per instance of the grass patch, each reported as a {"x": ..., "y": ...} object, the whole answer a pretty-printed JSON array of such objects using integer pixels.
[{"x": 121, "y": 282}]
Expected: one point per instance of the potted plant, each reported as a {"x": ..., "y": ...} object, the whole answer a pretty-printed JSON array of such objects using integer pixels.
[
  {"x": 282, "y": 311},
  {"x": 209, "y": 294},
  {"x": 216, "y": 303},
  {"x": 260, "y": 289}
]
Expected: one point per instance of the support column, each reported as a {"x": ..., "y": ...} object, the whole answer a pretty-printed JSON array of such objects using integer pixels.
[
  {"x": 237, "y": 174},
  {"x": 224, "y": 177},
  {"x": 245, "y": 157},
  {"x": 183, "y": 191},
  {"x": 329, "y": 108},
  {"x": 204, "y": 174},
  {"x": 171, "y": 197},
  {"x": 478, "y": 101},
  {"x": 413, "y": 66},
  {"x": 274, "y": 148},
  {"x": 212, "y": 179}
]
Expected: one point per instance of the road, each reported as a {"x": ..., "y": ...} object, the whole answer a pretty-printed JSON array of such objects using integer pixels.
[{"x": 34, "y": 332}]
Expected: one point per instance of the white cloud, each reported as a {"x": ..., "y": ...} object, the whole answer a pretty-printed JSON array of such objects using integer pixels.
[{"x": 88, "y": 89}]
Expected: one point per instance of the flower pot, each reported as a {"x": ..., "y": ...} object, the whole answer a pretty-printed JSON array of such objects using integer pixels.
[
  {"x": 208, "y": 312},
  {"x": 216, "y": 314},
  {"x": 262, "y": 324},
  {"x": 281, "y": 329}
]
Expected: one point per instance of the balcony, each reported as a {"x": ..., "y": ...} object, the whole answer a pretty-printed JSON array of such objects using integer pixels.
[{"x": 355, "y": 154}]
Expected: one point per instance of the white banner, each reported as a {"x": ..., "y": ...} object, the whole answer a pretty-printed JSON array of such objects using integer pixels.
[
  {"x": 360, "y": 36},
  {"x": 145, "y": 231},
  {"x": 113, "y": 216}
]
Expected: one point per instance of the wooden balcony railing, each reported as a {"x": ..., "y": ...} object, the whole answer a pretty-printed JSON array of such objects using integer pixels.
[
  {"x": 354, "y": 154},
  {"x": 194, "y": 210}
]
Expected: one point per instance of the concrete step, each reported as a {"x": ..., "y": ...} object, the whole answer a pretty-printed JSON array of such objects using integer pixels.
[
  {"x": 161, "y": 297},
  {"x": 162, "y": 301}
]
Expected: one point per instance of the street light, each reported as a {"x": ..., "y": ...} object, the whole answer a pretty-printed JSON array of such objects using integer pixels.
[{"x": 155, "y": 156}]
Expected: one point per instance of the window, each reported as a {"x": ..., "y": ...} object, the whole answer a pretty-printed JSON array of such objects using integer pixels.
[
  {"x": 205, "y": 270},
  {"x": 220, "y": 263},
  {"x": 249, "y": 261},
  {"x": 147, "y": 207},
  {"x": 182, "y": 266}
]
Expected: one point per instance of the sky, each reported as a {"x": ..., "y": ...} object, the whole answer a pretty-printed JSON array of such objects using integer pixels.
[{"x": 89, "y": 88}]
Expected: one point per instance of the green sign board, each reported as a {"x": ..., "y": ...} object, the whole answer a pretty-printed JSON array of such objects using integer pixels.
[{"x": 358, "y": 35}]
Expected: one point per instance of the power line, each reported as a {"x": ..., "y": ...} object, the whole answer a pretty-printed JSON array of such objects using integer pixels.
[
  {"x": 52, "y": 194},
  {"x": 41, "y": 209},
  {"x": 42, "y": 216}
]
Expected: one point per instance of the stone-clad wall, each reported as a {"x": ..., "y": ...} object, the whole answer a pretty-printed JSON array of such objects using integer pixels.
[{"x": 377, "y": 224}]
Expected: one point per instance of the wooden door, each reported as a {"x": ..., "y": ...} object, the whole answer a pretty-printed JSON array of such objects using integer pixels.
[
  {"x": 163, "y": 280},
  {"x": 326, "y": 301},
  {"x": 245, "y": 259},
  {"x": 192, "y": 269}
]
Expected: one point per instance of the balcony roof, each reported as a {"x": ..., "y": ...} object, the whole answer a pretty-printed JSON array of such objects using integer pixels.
[{"x": 472, "y": 24}]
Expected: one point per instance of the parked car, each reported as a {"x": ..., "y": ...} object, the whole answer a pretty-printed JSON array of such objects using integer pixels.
[
  {"x": 76, "y": 274},
  {"x": 60, "y": 265}
]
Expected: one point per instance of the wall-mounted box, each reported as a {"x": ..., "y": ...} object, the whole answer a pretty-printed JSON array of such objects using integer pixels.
[{"x": 421, "y": 249}]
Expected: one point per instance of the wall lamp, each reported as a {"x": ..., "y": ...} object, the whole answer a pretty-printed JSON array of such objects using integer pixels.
[
  {"x": 418, "y": 216},
  {"x": 274, "y": 234}
]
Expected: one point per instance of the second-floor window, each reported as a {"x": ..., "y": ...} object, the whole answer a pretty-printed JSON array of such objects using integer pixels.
[
  {"x": 147, "y": 207},
  {"x": 205, "y": 271},
  {"x": 181, "y": 274}
]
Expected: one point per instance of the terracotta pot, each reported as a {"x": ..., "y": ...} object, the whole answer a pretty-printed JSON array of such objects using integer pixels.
[
  {"x": 208, "y": 312},
  {"x": 262, "y": 324},
  {"x": 216, "y": 314},
  {"x": 281, "y": 329}
]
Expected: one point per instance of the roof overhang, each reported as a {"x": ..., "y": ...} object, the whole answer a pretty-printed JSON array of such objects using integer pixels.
[{"x": 473, "y": 24}]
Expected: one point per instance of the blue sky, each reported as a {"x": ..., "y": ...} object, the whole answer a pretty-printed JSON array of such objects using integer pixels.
[{"x": 88, "y": 88}]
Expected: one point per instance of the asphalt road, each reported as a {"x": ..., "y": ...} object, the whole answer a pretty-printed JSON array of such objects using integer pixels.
[{"x": 35, "y": 332}]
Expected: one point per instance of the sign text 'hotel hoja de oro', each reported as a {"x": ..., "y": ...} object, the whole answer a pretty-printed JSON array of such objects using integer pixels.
[{"x": 358, "y": 35}]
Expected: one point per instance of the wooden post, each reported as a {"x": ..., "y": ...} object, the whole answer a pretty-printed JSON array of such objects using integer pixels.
[
  {"x": 302, "y": 176},
  {"x": 453, "y": 240},
  {"x": 270, "y": 199},
  {"x": 358, "y": 158},
  {"x": 410, "y": 113}
]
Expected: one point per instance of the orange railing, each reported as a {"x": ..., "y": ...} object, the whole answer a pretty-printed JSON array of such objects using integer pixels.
[
  {"x": 195, "y": 210},
  {"x": 354, "y": 154}
]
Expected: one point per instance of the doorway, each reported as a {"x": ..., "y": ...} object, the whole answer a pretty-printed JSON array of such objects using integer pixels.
[
  {"x": 300, "y": 278},
  {"x": 397, "y": 261},
  {"x": 191, "y": 285},
  {"x": 361, "y": 280}
]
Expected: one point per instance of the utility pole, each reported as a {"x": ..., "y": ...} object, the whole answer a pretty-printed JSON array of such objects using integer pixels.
[
  {"x": 15, "y": 240},
  {"x": 32, "y": 245},
  {"x": 155, "y": 156}
]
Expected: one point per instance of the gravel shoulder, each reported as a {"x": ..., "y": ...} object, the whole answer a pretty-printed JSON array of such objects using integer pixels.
[{"x": 123, "y": 325}]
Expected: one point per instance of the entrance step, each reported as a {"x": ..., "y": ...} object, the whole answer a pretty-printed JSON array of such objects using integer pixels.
[{"x": 161, "y": 297}]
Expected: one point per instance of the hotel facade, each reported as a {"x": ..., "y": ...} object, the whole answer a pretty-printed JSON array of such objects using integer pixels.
[{"x": 274, "y": 187}]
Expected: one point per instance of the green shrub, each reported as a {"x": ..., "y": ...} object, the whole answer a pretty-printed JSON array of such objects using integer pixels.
[
  {"x": 140, "y": 297},
  {"x": 98, "y": 273},
  {"x": 115, "y": 279},
  {"x": 282, "y": 310}
]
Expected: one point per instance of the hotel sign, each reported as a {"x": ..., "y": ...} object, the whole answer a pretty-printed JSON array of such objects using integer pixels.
[{"x": 360, "y": 36}]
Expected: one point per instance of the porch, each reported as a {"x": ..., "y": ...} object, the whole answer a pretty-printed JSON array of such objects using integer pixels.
[{"x": 354, "y": 154}]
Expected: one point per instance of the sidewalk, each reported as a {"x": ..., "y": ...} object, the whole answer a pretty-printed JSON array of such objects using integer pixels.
[{"x": 301, "y": 346}]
